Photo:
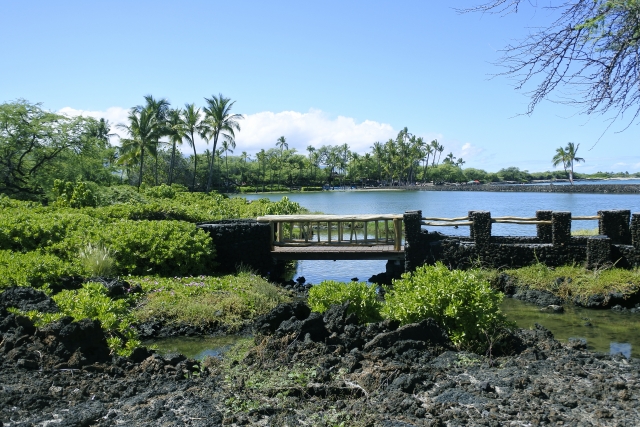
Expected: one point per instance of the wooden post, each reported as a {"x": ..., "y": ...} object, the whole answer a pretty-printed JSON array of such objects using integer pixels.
[
  {"x": 280, "y": 232},
  {"x": 273, "y": 233},
  {"x": 306, "y": 233},
  {"x": 318, "y": 228},
  {"x": 351, "y": 231},
  {"x": 329, "y": 231},
  {"x": 397, "y": 227},
  {"x": 365, "y": 232},
  {"x": 339, "y": 231},
  {"x": 386, "y": 231},
  {"x": 376, "y": 232}
]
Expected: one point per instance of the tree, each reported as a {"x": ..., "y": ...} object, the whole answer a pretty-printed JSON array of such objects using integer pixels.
[
  {"x": 176, "y": 132},
  {"x": 590, "y": 52},
  {"x": 282, "y": 144},
  {"x": 160, "y": 109},
  {"x": 221, "y": 122},
  {"x": 567, "y": 156},
  {"x": 31, "y": 140},
  {"x": 193, "y": 125},
  {"x": 227, "y": 146},
  {"x": 142, "y": 130}
]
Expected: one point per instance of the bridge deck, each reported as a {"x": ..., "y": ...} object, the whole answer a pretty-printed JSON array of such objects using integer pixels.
[{"x": 373, "y": 252}]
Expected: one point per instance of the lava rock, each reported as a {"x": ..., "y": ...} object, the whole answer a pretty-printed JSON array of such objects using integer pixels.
[
  {"x": 27, "y": 299},
  {"x": 269, "y": 322}
]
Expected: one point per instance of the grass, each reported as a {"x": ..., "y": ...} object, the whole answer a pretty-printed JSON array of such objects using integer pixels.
[
  {"x": 571, "y": 281},
  {"x": 585, "y": 232},
  {"x": 203, "y": 300}
]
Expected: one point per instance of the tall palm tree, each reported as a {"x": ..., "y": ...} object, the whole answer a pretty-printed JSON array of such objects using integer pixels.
[
  {"x": 175, "y": 130},
  {"x": 227, "y": 146},
  {"x": 243, "y": 158},
  {"x": 159, "y": 108},
  {"x": 193, "y": 125},
  {"x": 262, "y": 161},
  {"x": 428, "y": 151},
  {"x": 282, "y": 144},
  {"x": 142, "y": 131},
  {"x": 221, "y": 122},
  {"x": 378, "y": 152},
  {"x": 567, "y": 156}
]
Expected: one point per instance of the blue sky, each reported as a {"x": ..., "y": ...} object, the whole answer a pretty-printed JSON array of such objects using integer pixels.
[{"x": 318, "y": 73}]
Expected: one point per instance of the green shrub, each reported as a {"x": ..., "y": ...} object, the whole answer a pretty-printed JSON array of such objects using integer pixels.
[
  {"x": 167, "y": 248},
  {"x": 33, "y": 269},
  {"x": 164, "y": 191},
  {"x": 119, "y": 194},
  {"x": 226, "y": 300},
  {"x": 311, "y": 189},
  {"x": 460, "y": 301},
  {"x": 72, "y": 195},
  {"x": 25, "y": 230},
  {"x": 363, "y": 299},
  {"x": 93, "y": 302}
]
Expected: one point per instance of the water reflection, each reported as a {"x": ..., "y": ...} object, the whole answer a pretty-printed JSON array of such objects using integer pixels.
[
  {"x": 194, "y": 347},
  {"x": 602, "y": 330}
]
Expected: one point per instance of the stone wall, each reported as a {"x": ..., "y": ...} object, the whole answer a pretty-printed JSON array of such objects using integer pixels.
[
  {"x": 553, "y": 245},
  {"x": 241, "y": 242}
]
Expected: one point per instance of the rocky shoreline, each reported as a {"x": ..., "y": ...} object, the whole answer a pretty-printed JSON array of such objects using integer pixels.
[
  {"x": 310, "y": 369},
  {"x": 518, "y": 188}
]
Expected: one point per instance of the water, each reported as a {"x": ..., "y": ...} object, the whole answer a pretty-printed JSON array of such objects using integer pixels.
[
  {"x": 611, "y": 331},
  {"x": 603, "y": 330},
  {"x": 195, "y": 347}
]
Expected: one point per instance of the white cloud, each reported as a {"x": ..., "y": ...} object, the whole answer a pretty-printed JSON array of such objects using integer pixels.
[
  {"x": 114, "y": 115},
  {"x": 261, "y": 130}
]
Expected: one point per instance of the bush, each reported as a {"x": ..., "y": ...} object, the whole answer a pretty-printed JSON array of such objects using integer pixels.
[
  {"x": 460, "y": 301},
  {"x": 23, "y": 230},
  {"x": 168, "y": 248},
  {"x": 363, "y": 299},
  {"x": 33, "y": 269},
  {"x": 311, "y": 189},
  {"x": 226, "y": 300},
  {"x": 72, "y": 195},
  {"x": 93, "y": 302}
]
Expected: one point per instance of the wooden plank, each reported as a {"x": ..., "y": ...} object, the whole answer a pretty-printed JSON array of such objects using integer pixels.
[
  {"x": 507, "y": 221},
  {"x": 462, "y": 218},
  {"x": 446, "y": 224},
  {"x": 585, "y": 218}
]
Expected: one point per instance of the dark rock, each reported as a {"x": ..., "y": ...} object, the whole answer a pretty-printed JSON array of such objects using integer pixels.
[
  {"x": 27, "y": 299},
  {"x": 427, "y": 330},
  {"x": 541, "y": 298},
  {"x": 269, "y": 322},
  {"x": 553, "y": 309}
]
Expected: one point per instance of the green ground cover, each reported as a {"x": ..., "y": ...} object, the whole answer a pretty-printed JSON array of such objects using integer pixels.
[{"x": 148, "y": 238}]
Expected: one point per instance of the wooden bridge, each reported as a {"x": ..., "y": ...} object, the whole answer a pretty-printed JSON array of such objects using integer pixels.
[
  {"x": 336, "y": 237},
  {"x": 360, "y": 237}
]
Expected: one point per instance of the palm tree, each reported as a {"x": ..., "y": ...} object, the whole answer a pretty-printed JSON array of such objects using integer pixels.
[
  {"x": 262, "y": 161},
  {"x": 142, "y": 131},
  {"x": 567, "y": 156},
  {"x": 227, "y": 146},
  {"x": 378, "y": 152},
  {"x": 282, "y": 144},
  {"x": 193, "y": 125},
  {"x": 221, "y": 122},
  {"x": 428, "y": 151},
  {"x": 243, "y": 158},
  {"x": 176, "y": 132},
  {"x": 159, "y": 108}
]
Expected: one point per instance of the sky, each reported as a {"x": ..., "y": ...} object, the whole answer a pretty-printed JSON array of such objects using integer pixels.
[{"x": 318, "y": 73}]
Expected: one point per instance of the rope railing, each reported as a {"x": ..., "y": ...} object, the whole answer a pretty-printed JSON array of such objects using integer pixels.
[{"x": 461, "y": 221}]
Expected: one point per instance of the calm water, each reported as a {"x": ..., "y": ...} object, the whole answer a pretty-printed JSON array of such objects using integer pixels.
[
  {"x": 194, "y": 347},
  {"x": 611, "y": 331}
]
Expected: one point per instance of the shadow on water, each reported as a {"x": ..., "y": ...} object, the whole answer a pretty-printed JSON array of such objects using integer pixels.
[{"x": 602, "y": 330}]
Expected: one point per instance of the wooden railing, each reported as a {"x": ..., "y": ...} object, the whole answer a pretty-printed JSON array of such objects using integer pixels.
[{"x": 309, "y": 230}]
